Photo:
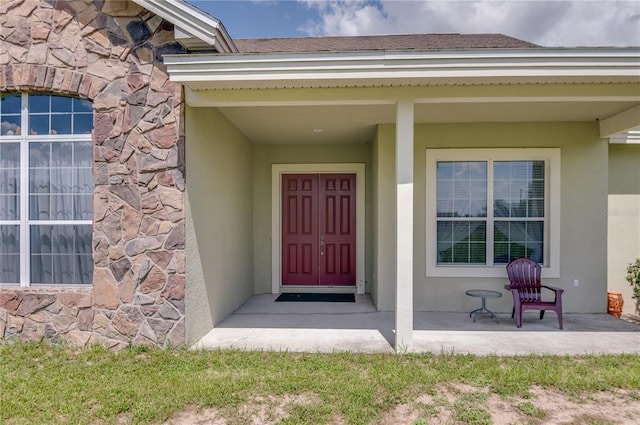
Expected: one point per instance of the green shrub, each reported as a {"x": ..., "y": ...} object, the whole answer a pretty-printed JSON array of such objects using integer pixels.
[{"x": 633, "y": 277}]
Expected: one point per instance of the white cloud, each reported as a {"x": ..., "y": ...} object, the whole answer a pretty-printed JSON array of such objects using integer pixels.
[
  {"x": 546, "y": 22},
  {"x": 345, "y": 18}
]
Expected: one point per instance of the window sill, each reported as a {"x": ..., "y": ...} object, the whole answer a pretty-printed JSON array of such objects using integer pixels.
[
  {"x": 43, "y": 287},
  {"x": 482, "y": 271}
]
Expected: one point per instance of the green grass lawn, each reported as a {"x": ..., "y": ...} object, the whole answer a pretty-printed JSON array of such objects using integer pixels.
[{"x": 41, "y": 384}]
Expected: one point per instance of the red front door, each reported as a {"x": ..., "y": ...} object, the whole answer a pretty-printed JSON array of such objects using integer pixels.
[{"x": 318, "y": 229}]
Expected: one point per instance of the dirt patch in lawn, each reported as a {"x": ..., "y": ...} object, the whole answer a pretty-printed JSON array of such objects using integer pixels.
[
  {"x": 460, "y": 404},
  {"x": 256, "y": 411},
  {"x": 450, "y": 404}
]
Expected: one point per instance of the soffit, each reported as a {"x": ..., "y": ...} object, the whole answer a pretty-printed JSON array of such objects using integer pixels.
[
  {"x": 521, "y": 85},
  {"x": 356, "y": 124},
  {"x": 408, "y": 82}
]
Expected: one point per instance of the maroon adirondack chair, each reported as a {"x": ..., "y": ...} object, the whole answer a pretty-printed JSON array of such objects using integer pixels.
[{"x": 526, "y": 288}]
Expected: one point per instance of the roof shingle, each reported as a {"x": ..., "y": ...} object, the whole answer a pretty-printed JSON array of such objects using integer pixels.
[{"x": 379, "y": 42}]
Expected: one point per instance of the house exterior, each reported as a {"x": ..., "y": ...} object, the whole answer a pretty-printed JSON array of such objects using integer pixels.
[
  {"x": 107, "y": 56},
  {"x": 409, "y": 168}
]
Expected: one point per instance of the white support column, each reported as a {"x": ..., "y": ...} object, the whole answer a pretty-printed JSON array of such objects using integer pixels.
[{"x": 404, "y": 226}]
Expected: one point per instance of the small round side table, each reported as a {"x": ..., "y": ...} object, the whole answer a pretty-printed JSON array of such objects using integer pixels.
[{"x": 484, "y": 294}]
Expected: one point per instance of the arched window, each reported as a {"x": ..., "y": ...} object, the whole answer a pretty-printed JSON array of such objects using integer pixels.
[{"x": 46, "y": 190}]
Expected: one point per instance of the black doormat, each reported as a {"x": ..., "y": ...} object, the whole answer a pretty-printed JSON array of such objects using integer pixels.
[{"x": 310, "y": 297}]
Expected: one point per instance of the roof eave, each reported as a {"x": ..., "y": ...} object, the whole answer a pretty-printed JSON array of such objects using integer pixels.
[
  {"x": 195, "y": 29},
  {"x": 629, "y": 137},
  {"x": 393, "y": 67}
]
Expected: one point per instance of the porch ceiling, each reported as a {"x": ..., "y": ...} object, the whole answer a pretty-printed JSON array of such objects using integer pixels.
[
  {"x": 282, "y": 98},
  {"x": 355, "y": 124}
]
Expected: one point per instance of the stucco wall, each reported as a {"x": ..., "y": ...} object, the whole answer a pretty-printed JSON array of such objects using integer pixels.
[
  {"x": 266, "y": 155},
  {"x": 624, "y": 219},
  {"x": 219, "y": 240},
  {"x": 385, "y": 214},
  {"x": 375, "y": 151},
  {"x": 109, "y": 52},
  {"x": 583, "y": 254}
]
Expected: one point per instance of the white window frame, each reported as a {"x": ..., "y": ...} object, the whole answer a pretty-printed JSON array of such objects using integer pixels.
[
  {"x": 24, "y": 222},
  {"x": 551, "y": 259}
]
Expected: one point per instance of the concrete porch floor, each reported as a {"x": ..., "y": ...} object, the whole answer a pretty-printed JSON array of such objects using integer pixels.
[{"x": 262, "y": 324}]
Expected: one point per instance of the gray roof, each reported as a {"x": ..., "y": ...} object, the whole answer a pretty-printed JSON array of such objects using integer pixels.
[{"x": 379, "y": 42}]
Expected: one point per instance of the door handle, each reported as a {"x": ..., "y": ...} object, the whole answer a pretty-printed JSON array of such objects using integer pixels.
[{"x": 321, "y": 244}]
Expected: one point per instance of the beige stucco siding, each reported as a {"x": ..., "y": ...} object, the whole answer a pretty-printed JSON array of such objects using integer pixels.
[
  {"x": 264, "y": 156},
  {"x": 385, "y": 214},
  {"x": 219, "y": 240},
  {"x": 583, "y": 252},
  {"x": 624, "y": 219},
  {"x": 229, "y": 259}
]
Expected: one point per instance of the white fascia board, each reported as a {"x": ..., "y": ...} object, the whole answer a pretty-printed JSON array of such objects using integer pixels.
[
  {"x": 394, "y": 65},
  {"x": 203, "y": 28},
  {"x": 629, "y": 137}
]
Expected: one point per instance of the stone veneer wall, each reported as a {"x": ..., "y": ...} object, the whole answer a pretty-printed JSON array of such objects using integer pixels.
[{"x": 109, "y": 52}]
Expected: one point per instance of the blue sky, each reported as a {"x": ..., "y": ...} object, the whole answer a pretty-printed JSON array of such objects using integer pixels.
[
  {"x": 544, "y": 22},
  {"x": 259, "y": 19}
]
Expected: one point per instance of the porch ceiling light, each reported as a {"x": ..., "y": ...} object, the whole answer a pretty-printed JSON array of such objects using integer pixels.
[{"x": 317, "y": 130}]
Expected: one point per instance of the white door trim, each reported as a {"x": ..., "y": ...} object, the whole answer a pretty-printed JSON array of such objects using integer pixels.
[{"x": 277, "y": 170}]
